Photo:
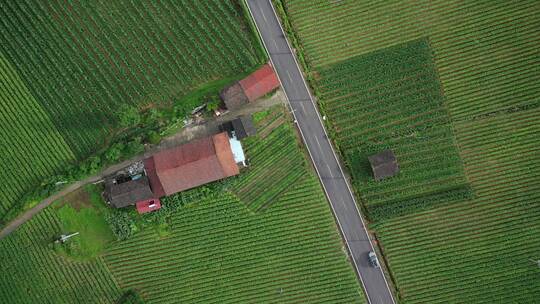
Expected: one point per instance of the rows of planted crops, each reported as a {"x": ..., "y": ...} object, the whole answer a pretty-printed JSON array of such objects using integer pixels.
[
  {"x": 391, "y": 99},
  {"x": 275, "y": 163},
  {"x": 68, "y": 67},
  {"x": 30, "y": 146},
  {"x": 32, "y": 272},
  {"x": 83, "y": 59},
  {"x": 220, "y": 251},
  {"x": 479, "y": 250},
  {"x": 485, "y": 59},
  {"x": 217, "y": 249}
]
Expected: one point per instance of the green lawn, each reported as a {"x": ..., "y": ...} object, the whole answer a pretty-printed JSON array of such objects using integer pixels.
[{"x": 89, "y": 220}]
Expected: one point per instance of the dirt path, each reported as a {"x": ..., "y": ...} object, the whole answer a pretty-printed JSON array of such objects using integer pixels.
[{"x": 186, "y": 134}]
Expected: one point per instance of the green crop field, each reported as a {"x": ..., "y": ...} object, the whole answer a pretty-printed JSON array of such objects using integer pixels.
[
  {"x": 69, "y": 66},
  {"x": 31, "y": 147},
  {"x": 485, "y": 53},
  {"x": 217, "y": 250},
  {"x": 392, "y": 99},
  {"x": 275, "y": 164}
]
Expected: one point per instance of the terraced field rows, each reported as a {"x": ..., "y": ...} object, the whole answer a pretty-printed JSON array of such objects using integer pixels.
[
  {"x": 274, "y": 163},
  {"x": 33, "y": 273},
  {"x": 82, "y": 60},
  {"x": 478, "y": 250},
  {"x": 24, "y": 136},
  {"x": 486, "y": 53}
]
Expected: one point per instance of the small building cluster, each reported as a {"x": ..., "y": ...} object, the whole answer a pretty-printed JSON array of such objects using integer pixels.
[
  {"x": 198, "y": 162},
  {"x": 180, "y": 168},
  {"x": 249, "y": 89}
]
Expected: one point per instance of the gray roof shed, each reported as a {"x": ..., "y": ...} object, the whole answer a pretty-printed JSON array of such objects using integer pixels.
[{"x": 384, "y": 164}]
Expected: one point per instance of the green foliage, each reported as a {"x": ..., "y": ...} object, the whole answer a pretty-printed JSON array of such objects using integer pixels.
[
  {"x": 128, "y": 116},
  {"x": 114, "y": 152},
  {"x": 130, "y": 297},
  {"x": 121, "y": 224},
  {"x": 154, "y": 138}
]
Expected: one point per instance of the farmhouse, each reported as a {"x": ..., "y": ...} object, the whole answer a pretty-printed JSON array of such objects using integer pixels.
[
  {"x": 193, "y": 164},
  {"x": 249, "y": 89},
  {"x": 384, "y": 164},
  {"x": 124, "y": 190}
]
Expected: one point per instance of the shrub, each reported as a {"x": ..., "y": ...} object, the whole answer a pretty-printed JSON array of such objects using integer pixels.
[
  {"x": 121, "y": 224},
  {"x": 128, "y": 116}
]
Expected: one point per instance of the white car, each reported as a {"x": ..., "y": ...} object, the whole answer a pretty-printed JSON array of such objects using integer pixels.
[{"x": 373, "y": 259}]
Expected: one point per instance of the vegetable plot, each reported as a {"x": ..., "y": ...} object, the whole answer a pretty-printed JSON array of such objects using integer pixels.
[{"x": 391, "y": 99}]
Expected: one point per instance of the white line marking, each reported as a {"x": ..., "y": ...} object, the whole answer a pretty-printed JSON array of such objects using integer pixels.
[{"x": 311, "y": 156}]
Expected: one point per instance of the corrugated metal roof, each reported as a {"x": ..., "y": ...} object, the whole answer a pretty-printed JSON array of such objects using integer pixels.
[
  {"x": 192, "y": 164},
  {"x": 259, "y": 83},
  {"x": 128, "y": 193},
  {"x": 148, "y": 206}
]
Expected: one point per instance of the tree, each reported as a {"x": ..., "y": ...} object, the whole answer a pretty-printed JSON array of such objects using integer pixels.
[{"x": 114, "y": 152}]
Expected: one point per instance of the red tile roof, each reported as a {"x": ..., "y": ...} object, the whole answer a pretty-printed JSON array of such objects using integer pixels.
[
  {"x": 259, "y": 83},
  {"x": 148, "y": 206},
  {"x": 191, "y": 165}
]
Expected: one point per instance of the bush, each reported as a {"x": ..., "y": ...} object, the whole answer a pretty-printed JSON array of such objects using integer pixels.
[
  {"x": 121, "y": 224},
  {"x": 114, "y": 152},
  {"x": 128, "y": 116},
  {"x": 154, "y": 138}
]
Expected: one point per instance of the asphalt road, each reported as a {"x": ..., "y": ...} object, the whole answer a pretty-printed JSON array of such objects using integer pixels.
[{"x": 320, "y": 149}]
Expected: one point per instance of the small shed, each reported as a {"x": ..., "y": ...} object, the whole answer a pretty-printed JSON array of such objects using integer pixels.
[
  {"x": 233, "y": 96},
  {"x": 148, "y": 205},
  {"x": 384, "y": 164},
  {"x": 243, "y": 127},
  {"x": 120, "y": 193}
]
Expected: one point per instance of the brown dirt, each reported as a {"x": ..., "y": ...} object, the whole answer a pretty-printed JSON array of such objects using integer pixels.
[{"x": 78, "y": 199}]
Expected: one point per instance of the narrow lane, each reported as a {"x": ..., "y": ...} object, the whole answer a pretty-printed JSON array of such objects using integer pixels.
[{"x": 320, "y": 149}]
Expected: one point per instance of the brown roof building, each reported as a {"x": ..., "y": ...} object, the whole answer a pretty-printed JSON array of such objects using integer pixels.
[
  {"x": 249, "y": 89},
  {"x": 130, "y": 192},
  {"x": 384, "y": 164},
  {"x": 233, "y": 96},
  {"x": 191, "y": 165}
]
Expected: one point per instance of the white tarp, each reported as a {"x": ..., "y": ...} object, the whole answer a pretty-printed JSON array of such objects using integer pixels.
[{"x": 238, "y": 152}]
